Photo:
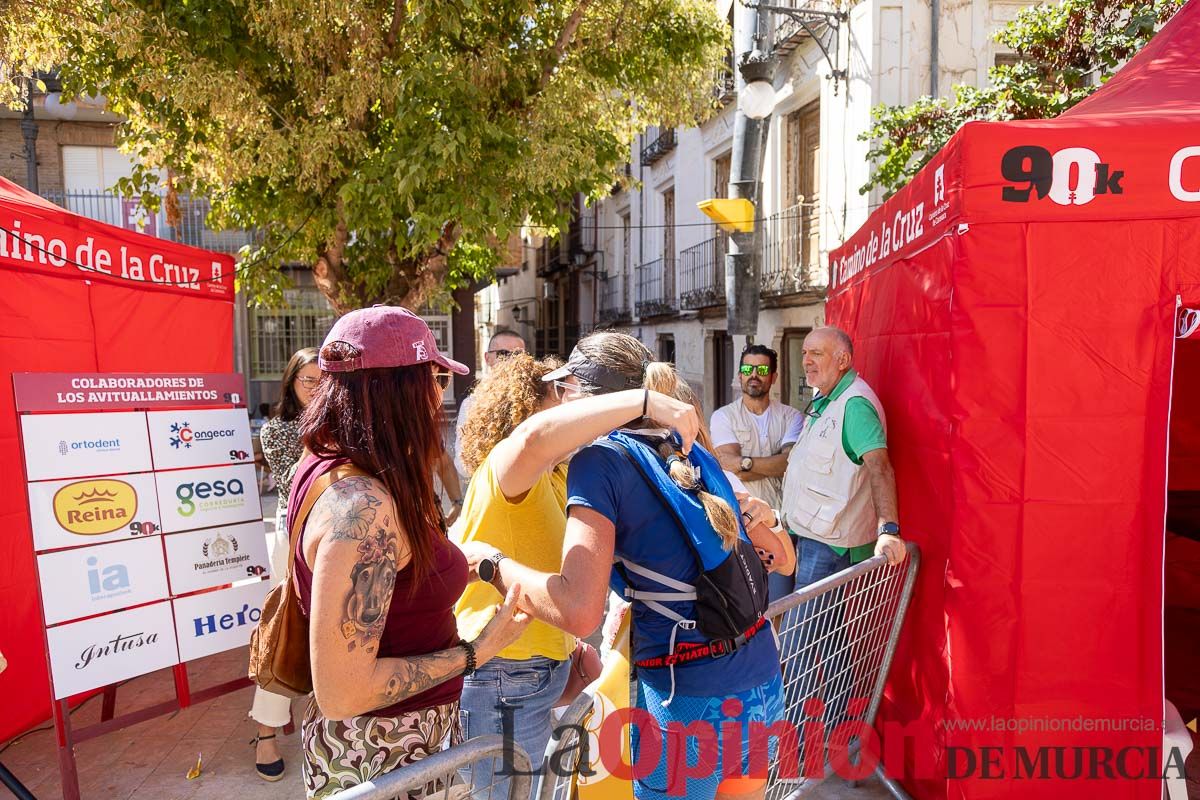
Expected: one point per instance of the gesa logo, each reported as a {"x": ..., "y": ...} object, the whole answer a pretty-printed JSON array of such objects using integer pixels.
[
  {"x": 182, "y": 435},
  {"x": 94, "y": 507},
  {"x": 1070, "y": 177},
  {"x": 203, "y": 490}
]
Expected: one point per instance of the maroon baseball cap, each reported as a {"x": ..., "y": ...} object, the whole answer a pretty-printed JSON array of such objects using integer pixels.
[{"x": 386, "y": 336}]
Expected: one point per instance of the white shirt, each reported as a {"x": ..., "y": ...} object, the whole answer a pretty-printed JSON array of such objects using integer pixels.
[
  {"x": 463, "y": 407},
  {"x": 721, "y": 427}
]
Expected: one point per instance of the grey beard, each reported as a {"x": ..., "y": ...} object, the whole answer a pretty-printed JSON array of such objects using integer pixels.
[{"x": 750, "y": 391}]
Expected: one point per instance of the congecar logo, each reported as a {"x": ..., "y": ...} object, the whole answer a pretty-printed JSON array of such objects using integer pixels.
[
  {"x": 182, "y": 434},
  {"x": 94, "y": 507}
]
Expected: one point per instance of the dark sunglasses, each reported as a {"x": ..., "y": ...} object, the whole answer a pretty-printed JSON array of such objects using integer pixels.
[
  {"x": 504, "y": 353},
  {"x": 749, "y": 369}
]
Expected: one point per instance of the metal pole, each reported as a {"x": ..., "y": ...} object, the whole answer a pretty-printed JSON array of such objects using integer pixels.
[
  {"x": 743, "y": 259},
  {"x": 29, "y": 129}
]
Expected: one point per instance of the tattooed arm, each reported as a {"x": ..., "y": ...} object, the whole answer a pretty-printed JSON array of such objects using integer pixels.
[{"x": 356, "y": 548}]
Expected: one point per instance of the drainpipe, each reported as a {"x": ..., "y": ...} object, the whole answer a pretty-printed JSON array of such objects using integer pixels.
[
  {"x": 29, "y": 129},
  {"x": 935, "y": 13}
]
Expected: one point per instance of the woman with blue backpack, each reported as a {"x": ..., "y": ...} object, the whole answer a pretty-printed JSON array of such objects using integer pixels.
[{"x": 655, "y": 518}]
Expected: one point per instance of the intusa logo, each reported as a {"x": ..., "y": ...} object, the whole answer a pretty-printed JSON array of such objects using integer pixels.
[
  {"x": 94, "y": 507},
  {"x": 121, "y": 643},
  {"x": 182, "y": 434},
  {"x": 217, "y": 494},
  {"x": 105, "y": 582}
]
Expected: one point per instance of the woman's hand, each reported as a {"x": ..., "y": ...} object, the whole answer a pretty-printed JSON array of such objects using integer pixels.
[
  {"x": 503, "y": 629},
  {"x": 675, "y": 414},
  {"x": 755, "y": 511}
]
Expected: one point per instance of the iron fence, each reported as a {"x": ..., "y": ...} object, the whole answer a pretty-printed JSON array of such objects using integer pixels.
[
  {"x": 614, "y": 298},
  {"x": 656, "y": 288},
  {"x": 192, "y": 227},
  {"x": 658, "y": 146},
  {"x": 791, "y": 258},
  {"x": 702, "y": 274}
]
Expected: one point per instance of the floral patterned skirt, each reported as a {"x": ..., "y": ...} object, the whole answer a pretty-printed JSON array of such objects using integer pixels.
[{"x": 338, "y": 755}]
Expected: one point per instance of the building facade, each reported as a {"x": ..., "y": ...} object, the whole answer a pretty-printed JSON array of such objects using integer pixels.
[{"x": 646, "y": 261}]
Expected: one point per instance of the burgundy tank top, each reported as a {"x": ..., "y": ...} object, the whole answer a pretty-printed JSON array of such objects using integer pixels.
[{"x": 419, "y": 621}]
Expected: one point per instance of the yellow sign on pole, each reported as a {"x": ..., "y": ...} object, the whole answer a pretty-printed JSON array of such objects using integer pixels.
[{"x": 733, "y": 215}]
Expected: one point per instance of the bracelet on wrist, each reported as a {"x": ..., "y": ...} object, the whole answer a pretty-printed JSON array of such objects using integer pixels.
[{"x": 469, "y": 649}]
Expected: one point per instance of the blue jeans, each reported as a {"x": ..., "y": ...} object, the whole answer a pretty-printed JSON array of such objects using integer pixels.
[
  {"x": 813, "y": 646},
  {"x": 513, "y": 698}
]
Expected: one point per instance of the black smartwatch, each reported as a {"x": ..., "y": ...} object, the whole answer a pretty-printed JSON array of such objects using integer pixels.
[
  {"x": 489, "y": 568},
  {"x": 890, "y": 529}
]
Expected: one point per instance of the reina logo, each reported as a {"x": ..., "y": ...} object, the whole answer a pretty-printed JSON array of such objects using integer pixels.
[
  {"x": 188, "y": 493},
  {"x": 184, "y": 435},
  {"x": 107, "y": 582},
  {"x": 94, "y": 507}
]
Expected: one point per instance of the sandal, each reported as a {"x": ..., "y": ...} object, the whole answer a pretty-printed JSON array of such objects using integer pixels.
[{"x": 268, "y": 772}]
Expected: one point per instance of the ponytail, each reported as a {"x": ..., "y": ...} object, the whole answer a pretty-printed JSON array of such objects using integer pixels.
[{"x": 718, "y": 512}]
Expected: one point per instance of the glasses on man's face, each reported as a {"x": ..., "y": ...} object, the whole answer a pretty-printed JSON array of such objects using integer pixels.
[
  {"x": 504, "y": 353},
  {"x": 564, "y": 390},
  {"x": 308, "y": 382},
  {"x": 763, "y": 370}
]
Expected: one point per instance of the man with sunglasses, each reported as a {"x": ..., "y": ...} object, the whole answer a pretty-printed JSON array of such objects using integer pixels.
[
  {"x": 754, "y": 434},
  {"x": 502, "y": 345}
]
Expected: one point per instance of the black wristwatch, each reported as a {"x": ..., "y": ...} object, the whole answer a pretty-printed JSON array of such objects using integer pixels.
[
  {"x": 489, "y": 568},
  {"x": 889, "y": 528}
]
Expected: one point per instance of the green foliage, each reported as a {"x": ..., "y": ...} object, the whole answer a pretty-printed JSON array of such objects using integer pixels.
[
  {"x": 1065, "y": 52},
  {"x": 389, "y": 143}
]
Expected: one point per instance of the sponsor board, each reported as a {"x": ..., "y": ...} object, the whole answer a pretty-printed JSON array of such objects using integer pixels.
[
  {"x": 96, "y": 652},
  {"x": 92, "y": 510},
  {"x": 208, "y": 497},
  {"x": 214, "y": 622},
  {"x": 77, "y": 445},
  {"x": 199, "y": 438},
  {"x": 94, "y": 580},
  {"x": 216, "y": 556}
]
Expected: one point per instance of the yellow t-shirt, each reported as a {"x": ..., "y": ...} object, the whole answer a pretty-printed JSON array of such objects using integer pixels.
[{"x": 529, "y": 532}]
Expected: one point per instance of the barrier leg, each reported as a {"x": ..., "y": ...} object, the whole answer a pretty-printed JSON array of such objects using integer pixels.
[
  {"x": 109, "y": 706},
  {"x": 15, "y": 786},
  {"x": 67, "y": 770}
]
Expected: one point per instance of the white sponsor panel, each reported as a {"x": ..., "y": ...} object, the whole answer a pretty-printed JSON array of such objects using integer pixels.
[
  {"x": 81, "y": 511},
  {"x": 217, "y": 621},
  {"x": 93, "y": 580},
  {"x": 75, "y": 445},
  {"x": 216, "y": 556},
  {"x": 200, "y": 438},
  {"x": 204, "y": 498},
  {"x": 96, "y": 652}
]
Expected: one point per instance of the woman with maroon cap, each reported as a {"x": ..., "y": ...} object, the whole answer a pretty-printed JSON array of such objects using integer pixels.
[{"x": 373, "y": 568}]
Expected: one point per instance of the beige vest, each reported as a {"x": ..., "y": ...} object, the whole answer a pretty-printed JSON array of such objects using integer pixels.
[
  {"x": 754, "y": 445},
  {"x": 828, "y": 496}
]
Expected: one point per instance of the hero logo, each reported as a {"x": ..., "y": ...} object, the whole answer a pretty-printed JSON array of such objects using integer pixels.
[
  {"x": 184, "y": 435},
  {"x": 1073, "y": 176},
  {"x": 188, "y": 493}
]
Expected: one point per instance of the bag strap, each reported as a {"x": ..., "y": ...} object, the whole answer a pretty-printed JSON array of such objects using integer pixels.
[
  {"x": 315, "y": 490},
  {"x": 674, "y": 512}
]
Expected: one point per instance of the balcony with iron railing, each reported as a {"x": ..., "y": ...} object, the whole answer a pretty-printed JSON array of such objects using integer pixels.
[
  {"x": 790, "y": 32},
  {"x": 725, "y": 80},
  {"x": 614, "y": 299},
  {"x": 656, "y": 288},
  {"x": 791, "y": 260},
  {"x": 658, "y": 145},
  {"x": 702, "y": 274},
  {"x": 129, "y": 213}
]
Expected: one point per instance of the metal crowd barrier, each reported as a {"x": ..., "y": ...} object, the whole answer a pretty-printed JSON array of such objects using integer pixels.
[
  {"x": 837, "y": 638},
  {"x": 437, "y": 776}
]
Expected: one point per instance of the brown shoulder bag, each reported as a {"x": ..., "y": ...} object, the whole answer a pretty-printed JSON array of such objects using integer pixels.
[{"x": 279, "y": 658}]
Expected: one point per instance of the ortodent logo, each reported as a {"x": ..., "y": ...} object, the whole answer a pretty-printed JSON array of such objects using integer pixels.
[{"x": 96, "y": 506}]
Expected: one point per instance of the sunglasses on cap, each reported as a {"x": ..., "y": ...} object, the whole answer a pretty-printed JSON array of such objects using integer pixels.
[{"x": 749, "y": 369}]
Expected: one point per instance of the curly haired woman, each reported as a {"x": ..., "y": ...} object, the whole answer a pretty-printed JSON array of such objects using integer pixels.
[{"x": 516, "y": 441}]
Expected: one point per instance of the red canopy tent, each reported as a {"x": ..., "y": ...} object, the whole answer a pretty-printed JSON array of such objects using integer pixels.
[
  {"x": 1015, "y": 308},
  {"x": 78, "y": 295}
]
